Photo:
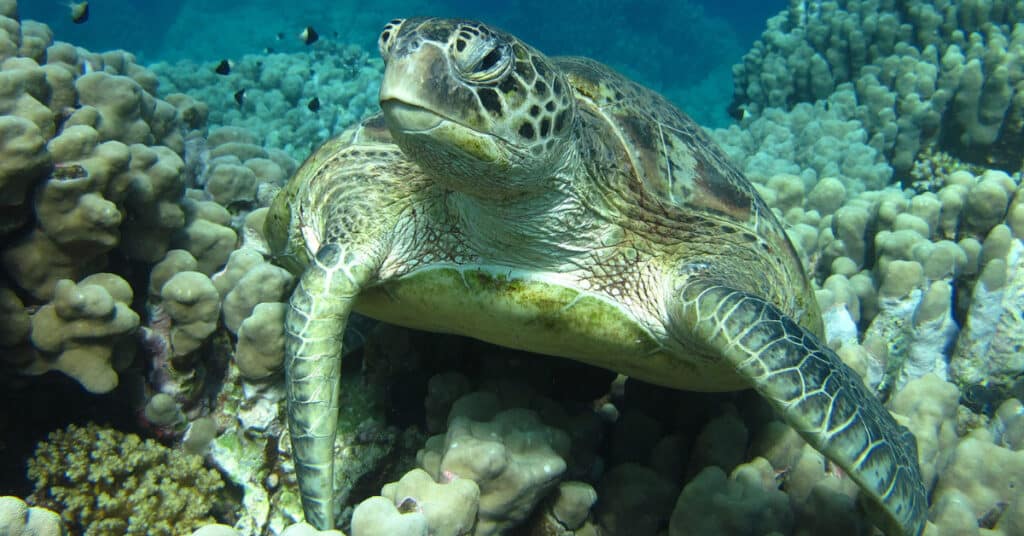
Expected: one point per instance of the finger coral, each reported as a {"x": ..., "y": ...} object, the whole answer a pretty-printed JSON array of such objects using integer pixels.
[
  {"x": 103, "y": 482},
  {"x": 927, "y": 74},
  {"x": 84, "y": 331}
]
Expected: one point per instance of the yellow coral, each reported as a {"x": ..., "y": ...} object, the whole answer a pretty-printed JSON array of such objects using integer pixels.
[
  {"x": 932, "y": 167},
  {"x": 107, "y": 482}
]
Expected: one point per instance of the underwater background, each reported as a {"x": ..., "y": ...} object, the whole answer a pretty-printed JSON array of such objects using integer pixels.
[
  {"x": 141, "y": 313},
  {"x": 680, "y": 49}
]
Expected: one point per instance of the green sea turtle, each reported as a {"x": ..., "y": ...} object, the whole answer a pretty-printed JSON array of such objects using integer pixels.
[{"x": 552, "y": 205}]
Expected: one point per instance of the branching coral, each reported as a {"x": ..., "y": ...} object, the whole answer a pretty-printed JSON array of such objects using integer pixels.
[{"x": 107, "y": 482}]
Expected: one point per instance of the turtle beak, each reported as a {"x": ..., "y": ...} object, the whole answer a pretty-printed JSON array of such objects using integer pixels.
[
  {"x": 413, "y": 97},
  {"x": 406, "y": 89},
  {"x": 408, "y": 118}
]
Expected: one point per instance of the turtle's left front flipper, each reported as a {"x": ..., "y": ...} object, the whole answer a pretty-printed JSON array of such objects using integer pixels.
[
  {"x": 817, "y": 394},
  {"x": 314, "y": 326}
]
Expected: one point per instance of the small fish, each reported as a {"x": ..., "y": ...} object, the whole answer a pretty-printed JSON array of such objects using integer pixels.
[
  {"x": 240, "y": 96},
  {"x": 280, "y": 36},
  {"x": 309, "y": 35},
  {"x": 224, "y": 67},
  {"x": 314, "y": 104},
  {"x": 269, "y": 50},
  {"x": 79, "y": 12}
]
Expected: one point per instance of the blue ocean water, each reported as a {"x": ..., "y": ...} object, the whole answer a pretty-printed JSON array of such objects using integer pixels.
[{"x": 683, "y": 49}]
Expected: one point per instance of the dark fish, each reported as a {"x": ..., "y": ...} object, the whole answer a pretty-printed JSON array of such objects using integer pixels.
[
  {"x": 280, "y": 36},
  {"x": 268, "y": 50},
  {"x": 79, "y": 12},
  {"x": 309, "y": 35},
  {"x": 313, "y": 104},
  {"x": 240, "y": 96},
  {"x": 223, "y": 68}
]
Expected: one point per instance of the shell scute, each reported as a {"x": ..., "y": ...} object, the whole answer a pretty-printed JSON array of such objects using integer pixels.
[{"x": 673, "y": 158}]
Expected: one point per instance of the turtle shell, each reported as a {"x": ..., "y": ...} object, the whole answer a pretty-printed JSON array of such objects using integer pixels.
[
  {"x": 678, "y": 174},
  {"x": 672, "y": 156}
]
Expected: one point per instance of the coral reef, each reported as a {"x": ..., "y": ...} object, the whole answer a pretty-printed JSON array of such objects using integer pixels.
[
  {"x": 252, "y": 449},
  {"x": 747, "y": 501},
  {"x": 100, "y": 174},
  {"x": 275, "y": 91},
  {"x": 513, "y": 458},
  {"x": 813, "y": 141},
  {"x": 94, "y": 178},
  {"x": 20, "y": 519},
  {"x": 928, "y": 74},
  {"x": 449, "y": 508},
  {"x": 85, "y": 331},
  {"x": 106, "y": 482},
  {"x": 132, "y": 206},
  {"x": 898, "y": 267}
]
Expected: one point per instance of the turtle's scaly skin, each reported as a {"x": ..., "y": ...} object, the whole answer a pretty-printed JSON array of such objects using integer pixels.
[{"x": 551, "y": 205}]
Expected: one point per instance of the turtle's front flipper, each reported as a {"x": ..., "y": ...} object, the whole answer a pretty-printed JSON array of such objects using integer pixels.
[
  {"x": 817, "y": 394},
  {"x": 314, "y": 326}
]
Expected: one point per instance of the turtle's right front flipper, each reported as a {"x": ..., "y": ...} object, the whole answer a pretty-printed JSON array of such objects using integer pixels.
[
  {"x": 814, "y": 391},
  {"x": 314, "y": 326}
]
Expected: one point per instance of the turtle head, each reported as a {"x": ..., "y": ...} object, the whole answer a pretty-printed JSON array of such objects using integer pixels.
[{"x": 480, "y": 111}]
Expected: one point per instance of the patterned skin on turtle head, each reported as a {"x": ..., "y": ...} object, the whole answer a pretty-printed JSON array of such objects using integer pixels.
[{"x": 477, "y": 108}]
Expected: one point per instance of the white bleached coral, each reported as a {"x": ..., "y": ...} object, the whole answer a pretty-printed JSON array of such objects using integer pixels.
[
  {"x": 20, "y": 519},
  {"x": 922, "y": 275},
  {"x": 990, "y": 349}
]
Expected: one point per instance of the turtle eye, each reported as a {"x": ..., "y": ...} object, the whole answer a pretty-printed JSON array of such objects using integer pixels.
[
  {"x": 480, "y": 59},
  {"x": 387, "y": 37}
]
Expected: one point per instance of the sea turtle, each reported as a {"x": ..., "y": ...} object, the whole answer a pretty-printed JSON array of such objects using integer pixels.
[{"x": 552, "y": 205}]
